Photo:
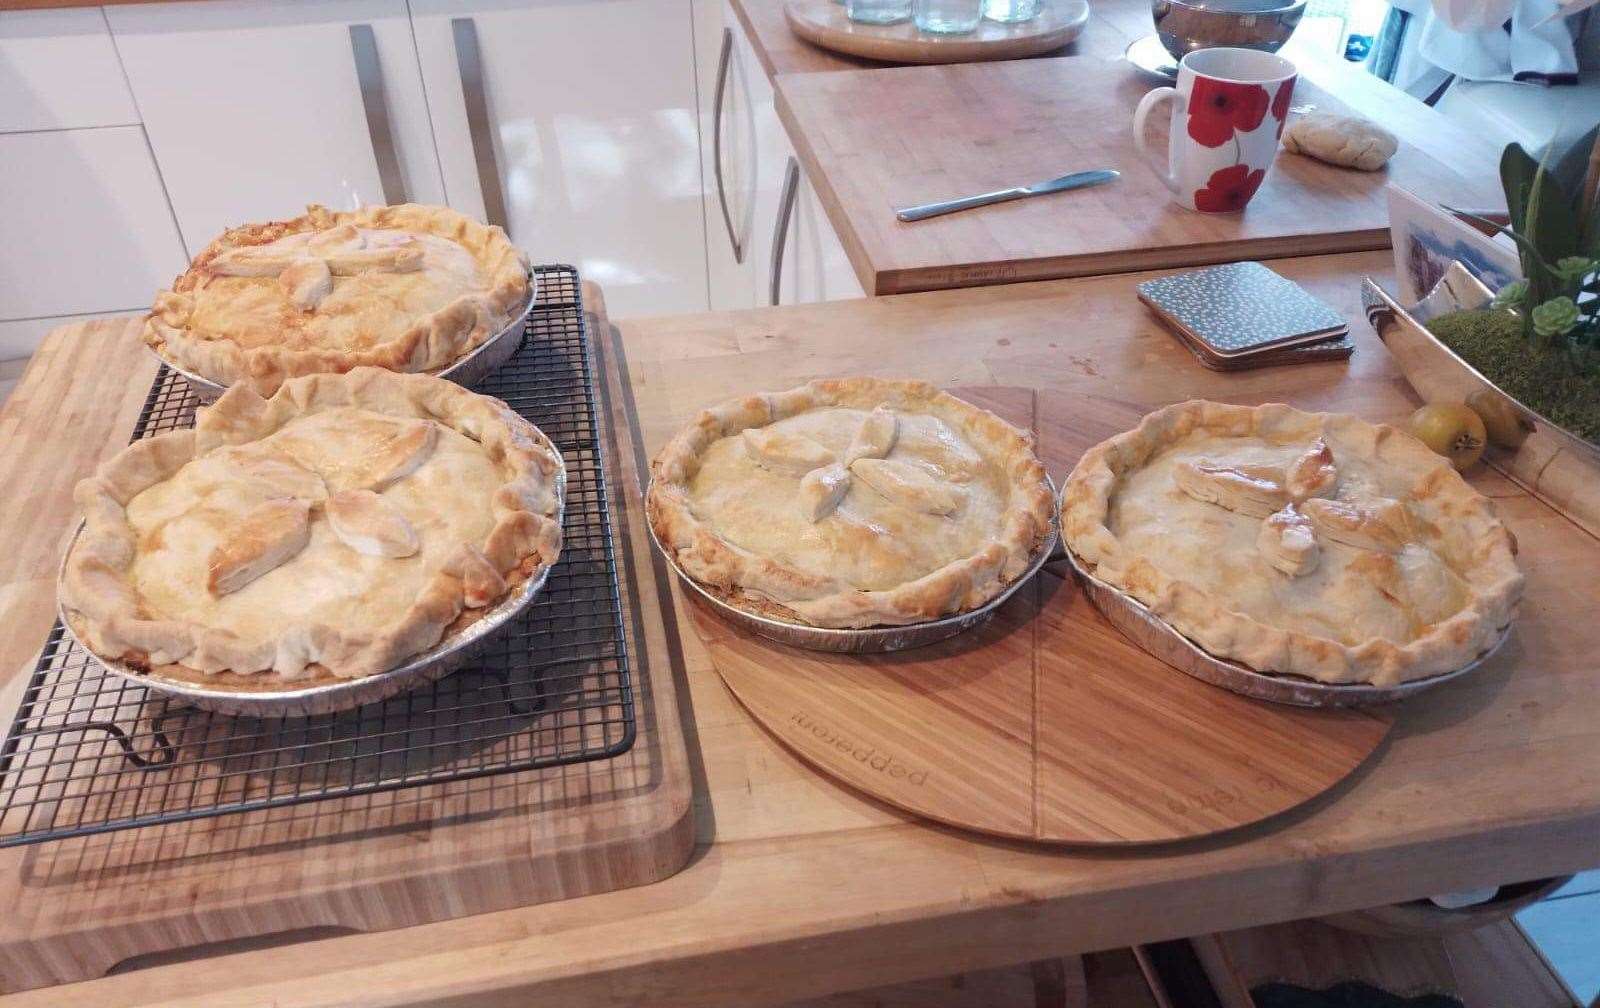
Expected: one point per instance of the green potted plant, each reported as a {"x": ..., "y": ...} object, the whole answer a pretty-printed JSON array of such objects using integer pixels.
[{"x": 1525, "y": 358}]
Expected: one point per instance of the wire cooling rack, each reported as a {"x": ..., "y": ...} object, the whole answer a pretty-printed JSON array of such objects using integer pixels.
[{"x": 90, "y": 752}]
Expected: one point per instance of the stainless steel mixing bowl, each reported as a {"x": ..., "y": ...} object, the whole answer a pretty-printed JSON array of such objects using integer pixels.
[{"x": 1186, "y": 25}]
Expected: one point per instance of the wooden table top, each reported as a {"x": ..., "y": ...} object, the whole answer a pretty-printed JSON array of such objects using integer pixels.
[
  {"x": 801, "y": 887},
  {"x": 872, "y": 138}
]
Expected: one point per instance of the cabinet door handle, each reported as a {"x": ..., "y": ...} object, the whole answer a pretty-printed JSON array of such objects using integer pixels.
[
  {"x": 369, "y": 75},
  {"x": 723, "y": 63},
  {"x": 780, "y": 235},
  {"x": 469, "y": 61}
]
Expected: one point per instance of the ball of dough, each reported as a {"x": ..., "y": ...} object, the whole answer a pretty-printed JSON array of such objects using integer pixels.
[{"x": 1340, "y": 140}]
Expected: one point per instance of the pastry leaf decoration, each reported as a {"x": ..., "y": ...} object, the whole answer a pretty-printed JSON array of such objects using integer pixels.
[
  {"x": 908, "y": 485},
  {"x": 822, "y": 489},
  {"x": 1296, "y": 517},
  {"x": 876, "y": 437},
  {"x": 783, "y": 452},
  {"x": 306, "y": 265},
  {"x": 370, "y": 525},
  {"x": 825, "y": 480},
  {"x": 268, "y": 536},
  {"x": 393, "y": 458}
]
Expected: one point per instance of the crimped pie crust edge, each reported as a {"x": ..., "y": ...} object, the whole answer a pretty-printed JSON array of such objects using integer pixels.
[
  {"x": 1494, "y": 579},
  {"x": 104, "y": 609},
  {"x": 430, "y": 344},
  {"x": 960, "y": 586}
]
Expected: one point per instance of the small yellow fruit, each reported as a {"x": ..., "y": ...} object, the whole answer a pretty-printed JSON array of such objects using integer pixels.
[
  {"x": 1507, "y": 427},
  {"x": 1453, "y": 430}
]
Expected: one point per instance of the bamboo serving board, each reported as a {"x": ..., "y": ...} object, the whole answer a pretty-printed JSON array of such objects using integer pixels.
[
  {"x": 824, "y": 23},
  {"x": 874, "y": 140},
  {"x": 1044, "y": 724},
  {"x": 78, "y": 907}
]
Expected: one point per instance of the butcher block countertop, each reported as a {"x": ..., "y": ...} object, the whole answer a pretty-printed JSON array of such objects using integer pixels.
[
  {"x": 872, "y": 138},
  {"x": 800, "y": 887}
]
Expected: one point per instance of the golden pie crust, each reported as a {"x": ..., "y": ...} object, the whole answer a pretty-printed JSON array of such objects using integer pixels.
[
  {"x": 332, "y": 531},
  {"x": 1308, "y": 544},
  {"x": 851, "y": 502},
  {"x": 410, "y": 288}
]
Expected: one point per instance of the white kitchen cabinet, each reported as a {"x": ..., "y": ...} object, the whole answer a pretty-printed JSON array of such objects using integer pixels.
[
  {"x": 815, "y": 266},
  {"x": 88, "y": 228},
  {"x": 58, "y": 70},
  {"x": 255, "y": 108},
  {"x": 745, "y": 153},
  {"x": 773, "y": 244},
  {"x": 573, "y": 125}
]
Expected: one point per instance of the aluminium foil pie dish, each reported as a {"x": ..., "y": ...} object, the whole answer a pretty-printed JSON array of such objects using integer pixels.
[
  {"x": 1312, "y": 558},
  {"x": 409, "y": 288},
  {"x": 852, "y": 514},
  {"x": 348, "y": 537}
]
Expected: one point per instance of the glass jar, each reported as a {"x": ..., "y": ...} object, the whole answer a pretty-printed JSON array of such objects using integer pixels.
[
  {"x": 877, "y": 11},
  {"x": 1011, "y": 11},
  {"x": 948, "y": 17}
]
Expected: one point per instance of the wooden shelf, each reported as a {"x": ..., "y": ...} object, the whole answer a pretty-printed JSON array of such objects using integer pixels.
[{"x": 1492, "y": 967}]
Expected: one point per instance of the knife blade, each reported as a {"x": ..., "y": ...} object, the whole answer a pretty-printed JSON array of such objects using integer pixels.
[{"x": 1076, "y": 180}]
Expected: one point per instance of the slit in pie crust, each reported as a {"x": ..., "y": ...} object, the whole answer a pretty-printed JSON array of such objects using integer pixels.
[
  {"x": 334, "y": 530},
  {"x": 851, "y": 502},
  {"x": 1308, "y": 544},
  {"x": 408, "y": 288}
]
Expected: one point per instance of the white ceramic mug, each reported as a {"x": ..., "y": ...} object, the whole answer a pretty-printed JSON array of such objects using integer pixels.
[{"x": 1227, "y": 114}]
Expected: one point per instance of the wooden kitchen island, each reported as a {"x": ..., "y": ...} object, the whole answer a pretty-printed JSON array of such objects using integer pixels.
[{"x": 800, "y": 887}]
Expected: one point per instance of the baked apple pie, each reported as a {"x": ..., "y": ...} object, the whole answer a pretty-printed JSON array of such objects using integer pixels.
[
  {"x": 851, "y": 502},
  {"x": 1308, "y": 544},
  {"x": 407, "y": 288},
  {"x": 332, "y": 531}
]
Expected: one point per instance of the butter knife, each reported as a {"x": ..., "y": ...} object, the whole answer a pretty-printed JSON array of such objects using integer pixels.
[{"x": 1077, "y": 180}]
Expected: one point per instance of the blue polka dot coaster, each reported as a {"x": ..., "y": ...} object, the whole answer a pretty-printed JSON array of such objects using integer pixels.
[{"x": 1235, "y": 310}]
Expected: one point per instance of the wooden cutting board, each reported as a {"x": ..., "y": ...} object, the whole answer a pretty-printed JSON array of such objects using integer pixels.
[
  {"x": 874, "y": 140},
  {"x": 75, "y": 908},
  {"x": 1046, "y": 723},
  {"x": 824, "y": 23}
]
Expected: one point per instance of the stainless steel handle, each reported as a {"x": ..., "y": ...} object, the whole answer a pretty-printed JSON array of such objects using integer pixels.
[
  {"x": 780, "y": 234},
  {"x": 469, "y": 61},
  {"x": 927, "y": 210},
  {"x": 723, "y": 63},
  {"x": 369, "y": 75}
]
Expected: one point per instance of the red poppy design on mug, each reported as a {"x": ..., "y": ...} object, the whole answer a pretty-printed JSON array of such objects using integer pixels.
[
  {"x": 1280, "y": 103},
  {"x": 1229, "y": 189},
  {"x": 1217, "y": 109}
]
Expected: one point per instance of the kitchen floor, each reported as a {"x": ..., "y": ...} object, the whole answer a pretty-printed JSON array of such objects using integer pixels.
[{"x": 1566, "y": 927}]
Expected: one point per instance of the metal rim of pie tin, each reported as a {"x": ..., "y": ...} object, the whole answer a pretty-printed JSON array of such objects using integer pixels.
[
  {"x": 1160, "y": 639},
  {"x": 326, "y": 697},
  {"x": 469, "y": 370},
  {"x": 867, "y": 640}
]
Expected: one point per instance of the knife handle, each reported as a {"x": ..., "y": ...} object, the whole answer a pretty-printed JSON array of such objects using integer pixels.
[{"x": 926, "y": 210}]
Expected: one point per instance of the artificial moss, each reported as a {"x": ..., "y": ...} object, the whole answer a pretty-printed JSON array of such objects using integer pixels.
[{"x": 1492, "y": 342}]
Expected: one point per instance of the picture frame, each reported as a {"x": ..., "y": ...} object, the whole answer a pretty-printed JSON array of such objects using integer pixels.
[{"x": 1426, "y": 238}]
